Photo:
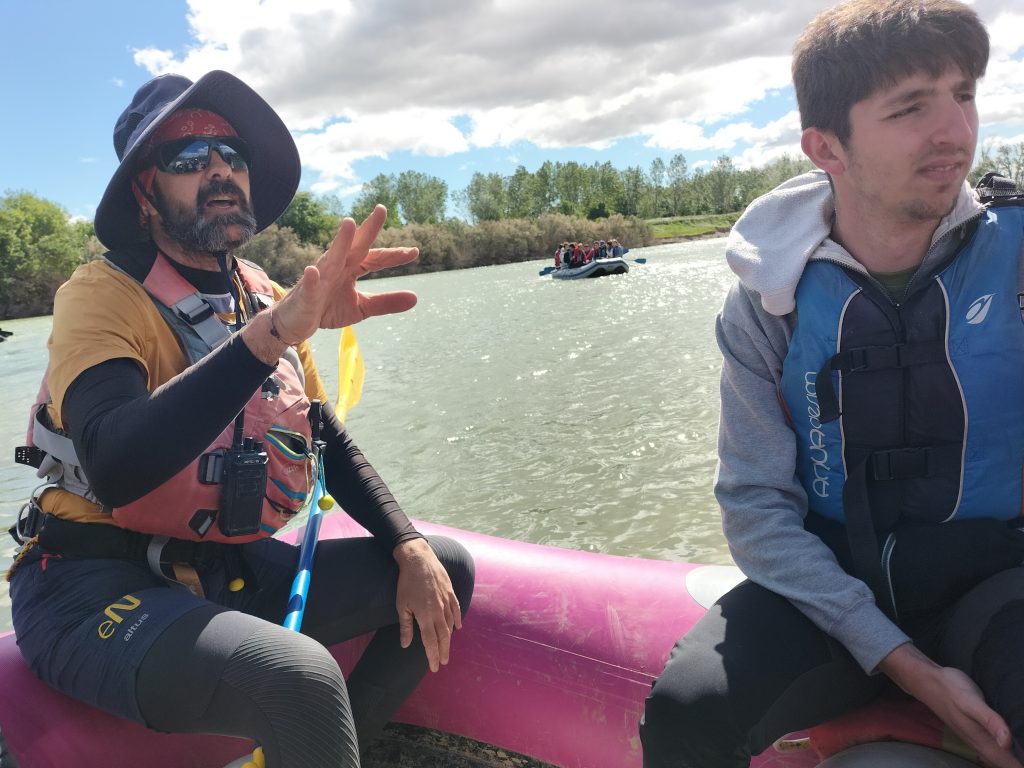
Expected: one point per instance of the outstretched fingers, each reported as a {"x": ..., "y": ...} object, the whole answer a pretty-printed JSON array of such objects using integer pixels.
[
  {"x": 351, "y": 254},
  {"x": 370, "y": 227},
  {"x": 351, "y": 243},
  {"x": 340, "y": 247},
  {"x": 390, "y": 303},
  {"x": 382, "y": 258}
]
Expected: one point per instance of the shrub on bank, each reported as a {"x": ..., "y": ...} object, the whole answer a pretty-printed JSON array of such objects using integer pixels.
[
  {"x": 279, "y": 251},
  {"x": 439, "y": 246}
]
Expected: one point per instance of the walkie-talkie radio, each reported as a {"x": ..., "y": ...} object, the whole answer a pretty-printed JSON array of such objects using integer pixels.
[{"x": 242, "y": 475}]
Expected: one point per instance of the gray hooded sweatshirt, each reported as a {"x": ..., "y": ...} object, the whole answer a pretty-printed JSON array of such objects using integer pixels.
[{"x": 763, "y": 503}]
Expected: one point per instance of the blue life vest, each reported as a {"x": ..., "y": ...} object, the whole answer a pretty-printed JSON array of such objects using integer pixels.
[{"x": 925, "y": 397}]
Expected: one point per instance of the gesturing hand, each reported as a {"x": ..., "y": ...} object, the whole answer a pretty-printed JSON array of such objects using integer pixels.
[{"x": 326, "y": 295}]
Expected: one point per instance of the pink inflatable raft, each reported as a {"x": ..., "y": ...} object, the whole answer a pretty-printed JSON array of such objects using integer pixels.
[{"x": 554, "y": 661}]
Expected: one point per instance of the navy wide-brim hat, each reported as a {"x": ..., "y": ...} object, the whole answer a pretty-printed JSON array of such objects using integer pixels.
[{"x": 273, "y": 173}]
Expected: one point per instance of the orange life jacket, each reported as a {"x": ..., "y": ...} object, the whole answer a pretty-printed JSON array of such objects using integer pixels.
[{"x": 276, "y": 416}]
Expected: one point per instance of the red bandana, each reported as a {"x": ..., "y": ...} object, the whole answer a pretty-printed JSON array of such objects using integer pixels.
[{"x": 190, "y": 122}]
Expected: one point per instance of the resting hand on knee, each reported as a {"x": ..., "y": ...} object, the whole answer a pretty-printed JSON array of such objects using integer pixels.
[
  {"x": 957, "y": 701},
  {"x": 425, "y": 594}
]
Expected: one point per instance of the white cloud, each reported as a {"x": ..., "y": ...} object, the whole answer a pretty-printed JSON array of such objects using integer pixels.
[
  {"x": 334, "y": 187},
  {"x": 1001, "y": 93},
  {"x": 368, "y": 79},
  {"x": 332, "y": 151},
  {"x": 775, "y": 138},
  {"x": 993, "y": 142},
  {"x": 157, "y": 61}
]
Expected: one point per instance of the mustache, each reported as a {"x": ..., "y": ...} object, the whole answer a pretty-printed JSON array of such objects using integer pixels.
[
  {"x": 948, "y": 154},
  {"x": 222, "y": 188}
]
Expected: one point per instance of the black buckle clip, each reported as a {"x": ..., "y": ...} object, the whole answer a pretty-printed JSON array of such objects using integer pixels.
[
  {"x": 29, "y": 455},
  {"x": 197, "y": 316},
  {"x": 900, "y": 464},
  {"x": 28, "y": 523}
]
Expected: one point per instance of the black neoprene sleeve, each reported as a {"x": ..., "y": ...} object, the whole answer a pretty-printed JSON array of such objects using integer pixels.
[{"x": 362, "y": 492}]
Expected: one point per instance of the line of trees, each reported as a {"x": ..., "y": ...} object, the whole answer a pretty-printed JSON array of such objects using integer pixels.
[
  {"x": 585, "y": 191},
  {"x": 511, "y": 218},
  {"x": 599, "y": 190},
  {"x": 1006, "y": 159}
]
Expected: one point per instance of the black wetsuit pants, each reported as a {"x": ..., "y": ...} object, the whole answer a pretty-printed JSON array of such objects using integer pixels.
[
  {"x": 225, "y": 664},
  {"x": 755, "y": 668}
]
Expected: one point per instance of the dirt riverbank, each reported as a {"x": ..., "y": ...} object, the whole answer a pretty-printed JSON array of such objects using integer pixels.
[{"x": 409, "y": 746}]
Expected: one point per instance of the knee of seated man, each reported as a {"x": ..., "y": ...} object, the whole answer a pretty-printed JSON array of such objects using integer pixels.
[
  {"x": 998, "y": 670},
  {"x": 689, "y": 702},
  {"x": 682, "y": 730},
  {"x": 684, "y": 709},
  {"x": 458, "y": 562},
  {"x": 275, "y": 659}
]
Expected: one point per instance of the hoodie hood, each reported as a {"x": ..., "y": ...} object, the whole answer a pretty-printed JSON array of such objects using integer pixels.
[{"x": 781, "y": 231}]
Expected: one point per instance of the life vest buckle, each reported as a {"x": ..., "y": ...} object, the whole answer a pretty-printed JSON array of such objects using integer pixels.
[
  {"x": 28, "y": 522},
  {"x": 29, "y": 455},
  {"x": 876, "y": 358},
  {"x": 858, "y": 359},
  {"x": 193, "y": 310},
  {"x": 899, "y": 464}
]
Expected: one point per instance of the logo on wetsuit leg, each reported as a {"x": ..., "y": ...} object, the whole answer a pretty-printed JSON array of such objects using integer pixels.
[{"x": 114, "y": 612}]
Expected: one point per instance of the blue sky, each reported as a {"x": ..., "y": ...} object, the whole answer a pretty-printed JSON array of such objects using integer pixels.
[{"x": 446, "y": 87}]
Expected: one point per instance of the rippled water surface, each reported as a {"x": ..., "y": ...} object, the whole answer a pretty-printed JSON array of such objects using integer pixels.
[{"x": 576, "y": 413}]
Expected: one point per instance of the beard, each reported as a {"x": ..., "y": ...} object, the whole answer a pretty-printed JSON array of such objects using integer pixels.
[
  {"x": 927, "y": 210},
  {"x": 195, "y": 229}
]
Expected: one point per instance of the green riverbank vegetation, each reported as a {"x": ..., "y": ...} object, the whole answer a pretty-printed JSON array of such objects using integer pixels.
[
  {"x": 499, "y": 219},
  {"x": 687, "y": 227}
]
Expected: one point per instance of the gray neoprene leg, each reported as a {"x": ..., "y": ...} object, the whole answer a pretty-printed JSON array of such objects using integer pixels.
[{"x": 245, "y": 677}]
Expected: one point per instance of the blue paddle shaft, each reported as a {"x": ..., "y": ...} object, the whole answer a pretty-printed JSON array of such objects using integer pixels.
[{"x": 307, "y": 553}]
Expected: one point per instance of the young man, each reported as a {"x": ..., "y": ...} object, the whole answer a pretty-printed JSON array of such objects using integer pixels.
[
  {"x": 872, "y": 428},
  {"x": 184, "y": 380}
]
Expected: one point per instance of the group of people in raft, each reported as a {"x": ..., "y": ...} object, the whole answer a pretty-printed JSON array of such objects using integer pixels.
[
  {"x": 577, "y": 254},
  {"x": 180, "y": 378}
]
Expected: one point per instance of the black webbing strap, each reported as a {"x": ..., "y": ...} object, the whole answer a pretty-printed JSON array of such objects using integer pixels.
[
  {"x": 91, "y": 540},
  {"x": 860, "y": 528},
  {"x": 860, "y": 359},
  {"x": 909, "y": 463},
  {"x": 111, "y": 542}
]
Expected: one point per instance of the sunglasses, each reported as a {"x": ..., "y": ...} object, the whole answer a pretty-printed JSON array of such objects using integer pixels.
[{"x": 191, "y": 154}]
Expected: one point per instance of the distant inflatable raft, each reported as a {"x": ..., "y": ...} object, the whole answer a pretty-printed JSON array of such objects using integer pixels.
[{"x": 595, "y": 268}]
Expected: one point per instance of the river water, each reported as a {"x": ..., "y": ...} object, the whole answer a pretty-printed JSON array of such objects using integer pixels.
[{"x": 577, "y": 413}]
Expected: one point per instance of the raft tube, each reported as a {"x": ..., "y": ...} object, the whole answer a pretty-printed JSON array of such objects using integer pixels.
[{"x": 554, "y": 661}]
